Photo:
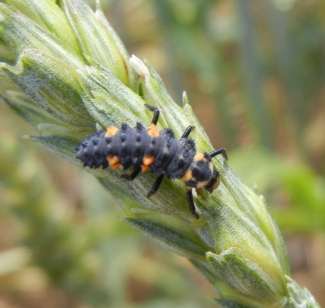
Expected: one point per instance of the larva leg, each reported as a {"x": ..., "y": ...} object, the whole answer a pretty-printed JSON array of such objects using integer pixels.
[
  {"x": 191, "y": 203},
  {"x": 187, "y": 131},
  {"x": 132, "y": 175},
  {"x": 219, "y": 151},
  {"x": 155, "y": 185},
  {"x": 156, "y": 113}
]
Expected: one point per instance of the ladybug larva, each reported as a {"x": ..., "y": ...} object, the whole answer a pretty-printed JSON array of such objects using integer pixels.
[{"x": 150, "y": 149}]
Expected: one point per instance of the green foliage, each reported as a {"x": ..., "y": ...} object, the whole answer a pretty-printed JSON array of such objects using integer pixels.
[{"x": 299, "y": 188}]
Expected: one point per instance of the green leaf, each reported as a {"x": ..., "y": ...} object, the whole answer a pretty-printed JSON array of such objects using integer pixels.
[
  {"x": 242, "y": 276},
  {"x": 298, "y": 296},
  {"x": 170, "y": 231},
  {"x": 51, "y": 86},
  {"x": 49, "y": 16},
  {"x": 99, "y": 44}
]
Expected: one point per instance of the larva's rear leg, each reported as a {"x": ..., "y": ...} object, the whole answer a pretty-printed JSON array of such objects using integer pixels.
[
  {"x": 156, "y": 113},
  {"x": 219, "y": 151},
  {"x": 132, "y": 175},
  {"x": 191, "y": 203},
  {"x": 187, "y": 131},
  {"x": 155, "y": 185}
]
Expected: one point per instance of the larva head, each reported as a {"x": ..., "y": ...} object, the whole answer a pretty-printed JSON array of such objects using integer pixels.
[{"x": 201, "y": 173}]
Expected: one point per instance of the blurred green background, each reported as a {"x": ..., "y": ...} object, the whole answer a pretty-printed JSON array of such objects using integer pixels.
[{"x": 254, "y": 72}]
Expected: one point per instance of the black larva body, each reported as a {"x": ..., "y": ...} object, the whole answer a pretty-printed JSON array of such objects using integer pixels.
[
  {"x": 144, "y": 149},
  {"x": 171, "y": 157}
]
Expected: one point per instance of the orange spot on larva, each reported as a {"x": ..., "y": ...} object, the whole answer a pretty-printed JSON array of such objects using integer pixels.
[
  {"x": 111, "y": 131},
  {"x": 153, "y": 130},
  {"x": 116, "y": 166},
  {"x": 113, "y": 162},
  {"x": 198, "y": 156},
  {"x": 187, "y": 176},
  {"x": 148, "y": 160}
]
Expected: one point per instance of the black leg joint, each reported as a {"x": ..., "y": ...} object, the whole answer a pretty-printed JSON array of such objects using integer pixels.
[
  {"x": 220, "y": 151},
  {"x": 191, "y": 203},
  {"x": 156, "y": 113},
  {"x": 132, "y": 175},
  {"x": 155, "y": 185},
  {"x": 187, "y": 131}
]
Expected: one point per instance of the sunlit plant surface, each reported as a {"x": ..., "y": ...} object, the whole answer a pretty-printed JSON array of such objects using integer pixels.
[{"x": 66, "y": 72}]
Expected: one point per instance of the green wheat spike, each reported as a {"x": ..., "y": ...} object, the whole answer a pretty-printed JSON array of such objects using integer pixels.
[{"x": 69, "y": 73}]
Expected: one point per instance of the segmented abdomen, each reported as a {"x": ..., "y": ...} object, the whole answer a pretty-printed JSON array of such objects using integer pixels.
[{"x": 136, "y": 147}]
